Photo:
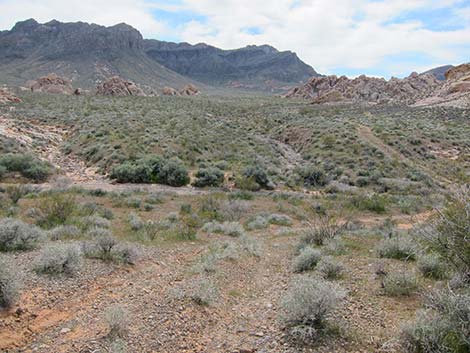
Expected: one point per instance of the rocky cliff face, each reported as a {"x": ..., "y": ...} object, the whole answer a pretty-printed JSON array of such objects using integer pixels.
[
  {"x": 333, "y": 89},
  {"x": 84, "y": 53},
  {"x": 249, "y": 67},
  {"x": 88, "y": 54},
  {"x": 455, "y": 91}
]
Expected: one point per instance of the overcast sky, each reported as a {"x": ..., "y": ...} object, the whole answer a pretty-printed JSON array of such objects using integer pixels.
[{"x": 380, "y": 37}]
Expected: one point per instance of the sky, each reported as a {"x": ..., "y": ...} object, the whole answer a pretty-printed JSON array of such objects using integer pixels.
[{"x": 343, "y": 37}]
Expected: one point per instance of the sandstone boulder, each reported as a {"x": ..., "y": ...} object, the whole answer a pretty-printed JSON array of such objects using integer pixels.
[
  {"x": 116, "y": 86},
  {"x": 169, "y": 91},
  {"x": 189, "y": 90},
  {"x": 51, "y": 83}
]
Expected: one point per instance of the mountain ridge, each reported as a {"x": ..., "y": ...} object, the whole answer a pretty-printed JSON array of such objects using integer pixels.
[{"x": 90, "y": 53}]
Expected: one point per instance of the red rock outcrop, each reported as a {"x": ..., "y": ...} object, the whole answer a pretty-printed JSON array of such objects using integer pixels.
[
  {"x": 189, "y": 90},
  {"x": 51, "y": 83},
  {"x": 170, "y": 91},
  {"x": 116, "y": 86},
  {"x": 333, "y": 89}
]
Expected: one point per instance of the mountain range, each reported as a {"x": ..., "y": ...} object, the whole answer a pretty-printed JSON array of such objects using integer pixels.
[{"x": 89, "y": 53}]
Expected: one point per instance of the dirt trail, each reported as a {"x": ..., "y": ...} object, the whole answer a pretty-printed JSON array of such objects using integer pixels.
[
  {"x": 46, "y": 141},
  {"x": 367, "y": 134}
]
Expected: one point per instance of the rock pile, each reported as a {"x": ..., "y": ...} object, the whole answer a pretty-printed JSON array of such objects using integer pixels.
[
  {"x": 7, "y": 97},
  {"x": 116, "y": 86},
  {"x": 51, "y": 83},
  {"x": 188, "y": 90},
  {"x": 333, "y": 89}
]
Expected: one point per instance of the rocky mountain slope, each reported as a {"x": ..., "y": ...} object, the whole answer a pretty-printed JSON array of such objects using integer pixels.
[
  {"x": 455, "y": 91},
  {"x": 439, "y": 72},
  {"x": 333, "y": 89},
  {"x": 87, "y": 54},
  {"x": 255, "y": 67}
]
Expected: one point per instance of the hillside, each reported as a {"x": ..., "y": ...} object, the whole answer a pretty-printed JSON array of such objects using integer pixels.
[
  {"x": 255, "y": 67},
  {"x": 439, "y": 72}
]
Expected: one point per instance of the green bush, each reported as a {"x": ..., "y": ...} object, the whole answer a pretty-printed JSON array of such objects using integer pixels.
[
  {"x": 312, "y": 176},
  {"x": 27, "y": 165},
  {"x": 209, "y": 177},
  {"x": 254, "y": 178},
  {"x": 151, "y": 170},
  {"x": 55, "y": 210},
  {"x": 431, "y": 266},
  {"x": 401, "y": 283},
  {"x": 373, "y": 203}
]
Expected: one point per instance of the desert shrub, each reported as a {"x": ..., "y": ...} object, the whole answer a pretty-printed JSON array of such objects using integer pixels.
[
  {"x": 27, "y": 165},
  {"x": 17, "y": 235},
  {"x": 373, "y": 203},
  {"x": 203, "y": 291},
  {"x": 306, "y": 307},
  {"x": 307, "y": 259},
  {"x": 257, "y": 222},
  {"x": 3, "y": 171},
  {"x": 251, "y": 245},
  {"x": 398, "y": 247},
  {"x": 323, "y": 229},
  {"x": 17, "y": 192},
  {"x": 152, "y": 170},
  {"x": 448, "y": 233},
  {"x": 118, "y": 321},
  {"x": 9, "y": 288},
  {"x": 98, "y": 232},
  {"x": 312, "y": 176},
  {"x": 55, "y": 209},
  {"x": 64, "y": 232},
  {"x": 241, "y": 195},
  {"x": 94, "y": 209},
  {"x": 209, "y": 177},
  {"x": 135, "y": 222},
  {"x": 59, "y": 259},
  {"x": 330, "y": 268},
  {"x": 334, "y": 247},
  {"x": 443, "y": 326},
  {"x": 431, "y": 266},
  {"x": 90, "y": 222},
  {"x": 400, "y": 283},
  {"x": 280, "y": 219},
  {"x": 233, "y": 210},
  {"x": 254, "y": 178},
  {"x": 233, "y": 229},
  {"x": 102, "y": 248}
]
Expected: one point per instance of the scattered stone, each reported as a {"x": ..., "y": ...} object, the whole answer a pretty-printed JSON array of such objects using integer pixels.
[
  {"x": 169, "y": 91},
  {"x": 189, "y": 90},
  {"x": 7, "y": 97}
]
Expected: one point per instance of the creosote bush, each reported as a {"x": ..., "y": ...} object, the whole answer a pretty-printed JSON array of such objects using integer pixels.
[
  {"x": 55, "y": 209},
  {"x": 448, "y": 233},
  {"x": 443, "y": 325},
  {"x": 203, "y": 291},
  {"x": 59, "y": 259},
  {"x": 9, "y": 288},
  {"x": 307, "y": 306},
  {"x": 27, "y": 165},
  {"x": 16, "y": 235},
  {"x": 431, "y": 266},
  {"x": 322, "y": 230},
  {"x": 152, "y": 170},
  {"x": 307, "y": 260},
  {"x": 209, "y": 177},
  {"x": 233, "y": 229},
  {"x": 64, "y": 232}
]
